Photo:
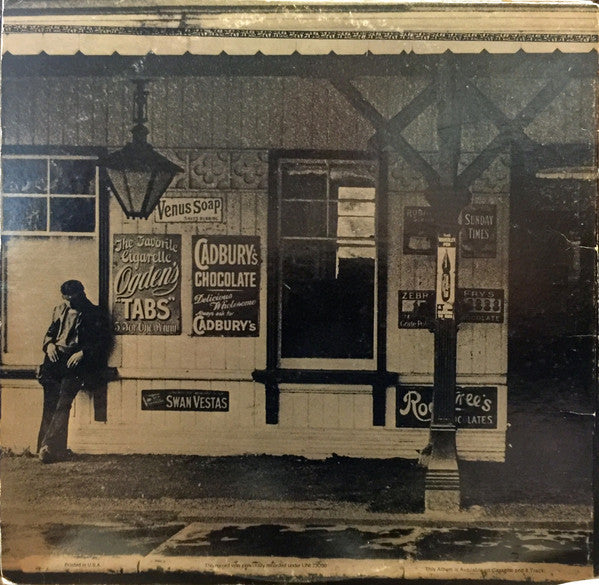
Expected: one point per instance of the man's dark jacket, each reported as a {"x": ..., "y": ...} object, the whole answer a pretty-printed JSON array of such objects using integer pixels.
[{"x": 92, "y": 331}]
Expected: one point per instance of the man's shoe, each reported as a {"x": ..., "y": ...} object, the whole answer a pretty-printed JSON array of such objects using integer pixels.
[
  {"x": 66, "y": 455},
  {"x": 44, "y": 455}
]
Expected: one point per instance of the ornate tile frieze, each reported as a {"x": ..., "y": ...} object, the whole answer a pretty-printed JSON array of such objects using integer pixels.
[
  {"x": 249, "y": 169},
  {"x": 181, "y": 180},
  {"x": 220, "y": 169},
  {"x": 210, "y": 169}
]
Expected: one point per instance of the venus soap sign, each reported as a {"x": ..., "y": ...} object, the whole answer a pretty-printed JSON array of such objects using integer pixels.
[{"x": 146, "y": 284}]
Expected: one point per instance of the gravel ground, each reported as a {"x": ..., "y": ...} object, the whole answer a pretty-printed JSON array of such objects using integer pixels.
[{"x": 258, "y": 478}]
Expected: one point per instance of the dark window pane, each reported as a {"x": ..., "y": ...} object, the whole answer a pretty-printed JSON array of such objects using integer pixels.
[
  {"x": 304, "y": 218},
  {"x": 328, "y": 303},
  {"x": 24, "y": 175},
  {"x": 72, "y": 214},
  {"x": 308, "y": 260},
  {"x": 24, "y": 214},
  {"x": 73, "y": 177},
  {"x": 304, "y": 183}
]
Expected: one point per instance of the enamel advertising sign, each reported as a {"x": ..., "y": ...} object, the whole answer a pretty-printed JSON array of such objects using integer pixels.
[
  {"x": 146, "y": 277},
  {"x": 185, "y": 400},
  {"x": 446, "y": 273},
  {"x": 226, "y": 286},
  {"x": 482, "y": 305},
  {"x": 475, "y": 407},
  {"x": 189, "y": 210},
  {"x": 478, "y": 231},
  {"x": 420, "y": 232}
]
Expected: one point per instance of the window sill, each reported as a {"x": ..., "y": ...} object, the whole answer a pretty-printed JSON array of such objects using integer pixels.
[
  {"x": 18, "y": 372},
  {"x": 30, "y": 373},
  {"x": 301, "y": 376}
]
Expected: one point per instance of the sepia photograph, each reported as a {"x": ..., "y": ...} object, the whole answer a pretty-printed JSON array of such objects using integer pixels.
[{"x": 298, "y": 291}]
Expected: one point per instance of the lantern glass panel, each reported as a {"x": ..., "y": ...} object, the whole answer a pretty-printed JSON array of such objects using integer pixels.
[
  {"x": 161, "y": 181},
  {"x": 130, "y": 188}
]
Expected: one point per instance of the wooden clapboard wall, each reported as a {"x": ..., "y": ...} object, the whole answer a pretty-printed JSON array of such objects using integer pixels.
[
  {"x": 184, "y": 112},
  {"x": 263, "y": 112},
  {"x": 482, "y": 347},
  {"x": 243, "y": 117}
]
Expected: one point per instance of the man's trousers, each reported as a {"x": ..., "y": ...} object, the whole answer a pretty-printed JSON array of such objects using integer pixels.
[{"x": 61, "y": 385}]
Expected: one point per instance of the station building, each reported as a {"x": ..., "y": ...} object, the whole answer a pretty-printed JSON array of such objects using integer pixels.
[{"x": 280, "y": 298}]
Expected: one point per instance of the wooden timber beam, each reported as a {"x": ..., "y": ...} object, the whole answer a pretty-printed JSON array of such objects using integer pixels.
[
  {"x": 449, "y": 122},
  {"x": 508, "y": 129},
  {"x": 389, "y": 131},
  {"x": 414, "y": 108}
]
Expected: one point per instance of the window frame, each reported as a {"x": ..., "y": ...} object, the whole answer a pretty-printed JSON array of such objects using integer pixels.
[
  {"x": 101, "y": 232},
  {"x": 48, "y": 196},
  {"x": 275, "y": 360}
]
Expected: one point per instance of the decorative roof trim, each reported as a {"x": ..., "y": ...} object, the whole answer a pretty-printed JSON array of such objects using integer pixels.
[
  {"x": 389, "y": 31},
  {"x": 302, "y": 34}
]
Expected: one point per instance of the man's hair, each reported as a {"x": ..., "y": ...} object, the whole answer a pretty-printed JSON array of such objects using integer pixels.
[{"x": 71, "y": 287}]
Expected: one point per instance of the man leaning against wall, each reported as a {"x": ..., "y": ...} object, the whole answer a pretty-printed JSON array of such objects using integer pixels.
[{"x": 76, "y": 348}]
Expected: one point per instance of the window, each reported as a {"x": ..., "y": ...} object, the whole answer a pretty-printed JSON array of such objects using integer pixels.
[
  {"x": 326, "y": 261},
  {"x": 44, "y": 195},
  {"x": 49, "y": 235}
]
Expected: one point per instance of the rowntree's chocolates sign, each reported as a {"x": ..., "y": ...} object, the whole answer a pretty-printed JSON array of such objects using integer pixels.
[
  {"x": 146, "y": 284},
  {"x": 475, "y": 407},
  {"x": 226, "y": 286}
]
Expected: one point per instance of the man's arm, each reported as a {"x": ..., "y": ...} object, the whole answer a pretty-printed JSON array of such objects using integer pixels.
[{"x": 48, "y": 345}]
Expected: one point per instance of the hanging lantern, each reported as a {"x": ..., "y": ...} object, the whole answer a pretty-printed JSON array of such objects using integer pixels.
[{"x": 137, "y": 174}]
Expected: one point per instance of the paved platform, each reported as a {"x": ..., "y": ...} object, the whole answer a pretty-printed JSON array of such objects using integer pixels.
[{"x": 270, "y": 541}]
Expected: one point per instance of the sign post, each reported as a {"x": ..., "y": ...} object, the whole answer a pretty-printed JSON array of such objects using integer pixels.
[
  {"x": 442, "y": 484},
  {"x": 447, "y": 199}
]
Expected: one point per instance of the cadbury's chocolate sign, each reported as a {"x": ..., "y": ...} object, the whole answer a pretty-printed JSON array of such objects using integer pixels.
[
  {"x": 146, "y": 284},
  {"x": 226, "y": 286}
]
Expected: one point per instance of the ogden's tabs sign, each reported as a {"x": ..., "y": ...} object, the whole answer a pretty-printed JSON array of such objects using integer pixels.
[
  {"x": 146, "y": 277},
  {"x": 226, "y": 286}
]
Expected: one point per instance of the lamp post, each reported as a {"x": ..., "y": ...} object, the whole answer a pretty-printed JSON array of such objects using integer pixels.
[{"x": 137, "y": 174}]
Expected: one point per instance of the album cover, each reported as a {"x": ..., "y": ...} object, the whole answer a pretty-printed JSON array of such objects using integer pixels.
[{"x": 298, "y": 291}]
